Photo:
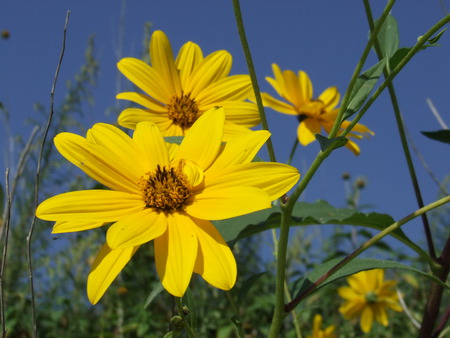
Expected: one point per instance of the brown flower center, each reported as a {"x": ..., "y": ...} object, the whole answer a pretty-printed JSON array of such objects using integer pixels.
[
  {"x": 166, "y": 189},
  {"x": 183, "y": 110}
]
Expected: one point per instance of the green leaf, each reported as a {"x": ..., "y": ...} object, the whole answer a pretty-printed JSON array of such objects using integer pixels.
[
  {"x": 320, "y": 212},
  {"x": 442, "y": 135},
  {"x": 192, "y": 316},
  {"x": 437, "y": 37},
  {"x": 354, "y": 266},
  {"x": 156, "y": 291},
  {"x": 363, "y": 86},
  {"x": 248, "y": 283},
  {"x": 388, "y": 37},
  {"x": 334, "y": 143},
  {"x": 174, "y": 139}
]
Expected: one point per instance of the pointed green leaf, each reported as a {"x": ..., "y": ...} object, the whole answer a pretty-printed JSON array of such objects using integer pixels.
[
  {"x": 305, "y": 213},
  {"x": 174, "y": 139},
  {"x": 192, "y": 317},
  {"x": 363, "y": 86},
  {"x": 354, "y": 266},
  {"x": 388, "y": 37},
  {"x": 437, "y": 37},
  {"x": 438, "y": 135},
  {"x": 334, "y": 143},
  {"x": 158, "y": 287}
]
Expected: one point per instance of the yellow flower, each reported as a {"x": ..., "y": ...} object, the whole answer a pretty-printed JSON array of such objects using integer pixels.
[
  {"x": 369, "y": 296},
  {"x": 318, "y": 332},
  {"x": 313, "y": 113},
  {"x": 178, "y": 91},
  {"x": 166, "y": 193}
]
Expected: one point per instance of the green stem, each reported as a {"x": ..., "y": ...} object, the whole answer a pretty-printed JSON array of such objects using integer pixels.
[
  {"x": 294, "y": 148},
  {"x": 235, "y": 309},
  {"x": 362, "y": 60},
  {"x": 186, "y": 326},
  {"x": 402, "y": 134},
  {"x": 252, "y": 73},
  {"x": 413, "y": 51},
  {"x": 367, "y": 245}
]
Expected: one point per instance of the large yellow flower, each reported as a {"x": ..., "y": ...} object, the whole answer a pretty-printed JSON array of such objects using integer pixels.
[
  {"x": 178, "y": 91},
  {"x": 166, "y": 193},
  {"x": 313, "y": 113},
  {"x": 317, "y": 329},
  {"x": 369, "y": 296}
]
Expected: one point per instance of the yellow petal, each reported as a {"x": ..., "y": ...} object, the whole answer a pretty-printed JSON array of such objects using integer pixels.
[
  {"x": 215, "y": 261},
  {"x": 306, "y": 88},
  {"x": 106, "y": 167},
  {"x": 203, "y": 140},
  {"x": 231, "y": 88},
  {"x": 293, "y": 90},
  {"x": 243, "y": 113},
  {"x": 130, "y": 117},
  {"x": 136, "y": 229},
  {"x": 380, "y": 314},
  {"x": 106, "y": 267},
  {"x": 278, "y": 81},
  {"x": 330, "y": 97},
  {"x": 150, "y": 142},
  {"x": 146, "y": 78},
  {"x": 241, "y": 149},
  {"x": 218, "y": 204},
  {"x": 189, "y": 57},
  {"x": 278, "y": 105},
  {"x": 353, "y": 147},
  {"x": 163, "y": 61},
  {"x": 366, "y": 319},
  {"x": 275, "y": 179},
  {"x": 70, "y": 226},
  {"x": 193, "y": 172},
  {"x": 143, "y": 100},
  {"x": 175, "y": 254},
  {"x": 213, "y": 68},
  {"x": 232, "y": 130},
  {"x": 306, "y": 131},
  {"x": 89, "y": 206}
]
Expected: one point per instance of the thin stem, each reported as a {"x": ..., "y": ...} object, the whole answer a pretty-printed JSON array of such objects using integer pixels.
[
  {"x": 404, "y": 141},
  {"x": 294, "y": 148},
  {"x": 186, "y": 326},
  {"x": 6, "y": 226},
  {"x": 235, "y": 310},
  {"x": 38, "y": 170},
  {"x": 367, "y": 245},
  {"x": 359, "y": 66},
  {"x": 252, "y": 73}
]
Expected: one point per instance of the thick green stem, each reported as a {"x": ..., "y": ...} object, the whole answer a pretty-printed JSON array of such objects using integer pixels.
[
  {"x": 294, "y": 148},
  {"x": 252, "y": 73},
  {"x": 186, "y": 326}
]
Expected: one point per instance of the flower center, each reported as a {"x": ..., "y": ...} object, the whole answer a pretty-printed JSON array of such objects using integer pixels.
[
  {"x": 166, "y": 189},
  {"x": 313, "y": 107},
  {"x": 183, "y": 110},
  {"x": 371, "y": 297}
]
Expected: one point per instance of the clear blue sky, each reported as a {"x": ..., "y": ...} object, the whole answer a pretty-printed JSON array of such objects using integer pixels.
[{"x": 323, "y": 38}]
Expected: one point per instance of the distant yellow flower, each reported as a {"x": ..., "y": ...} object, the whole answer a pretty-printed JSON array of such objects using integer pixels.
[
  {"x": 313, "y": 114},
  {"x": 177, "y": 92},
  {"x": 369, "y": 296},
  {"x": 317, "y": 329},
  {"x": 165, "y": 195}
]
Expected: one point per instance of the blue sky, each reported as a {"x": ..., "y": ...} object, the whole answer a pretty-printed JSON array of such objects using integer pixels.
[{"x": 323, "y": 38}]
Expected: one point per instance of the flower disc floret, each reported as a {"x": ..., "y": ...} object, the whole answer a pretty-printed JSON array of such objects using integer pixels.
[{"x": 183, "y": 110}]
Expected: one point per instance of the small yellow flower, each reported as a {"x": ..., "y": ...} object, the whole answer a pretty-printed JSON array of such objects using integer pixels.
[
  {"x": 177, "y": 92},
  {"x": 317, "y": 329},
  {"x": 369, "y": 296},
  {"x": 313, "y": 113},
  {"x": 166, "y": 193}
]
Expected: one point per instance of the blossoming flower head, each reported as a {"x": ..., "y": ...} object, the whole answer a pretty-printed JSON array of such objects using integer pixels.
[
  {"x": 368, "y": 296},
  {"x": 317, "y": 329},
  {"x": 165, "y": 196},
  {"x": 177, "y": 92},
  {"x": 313, "y": 113}
]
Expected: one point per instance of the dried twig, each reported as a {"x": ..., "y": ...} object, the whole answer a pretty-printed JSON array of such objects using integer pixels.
[{"x": 38, "y": 170}]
